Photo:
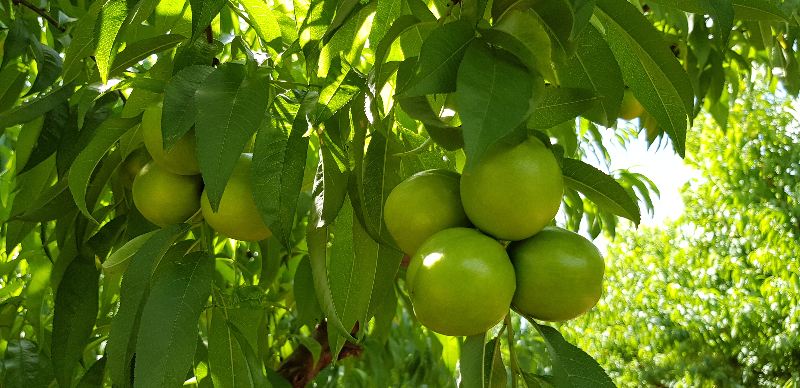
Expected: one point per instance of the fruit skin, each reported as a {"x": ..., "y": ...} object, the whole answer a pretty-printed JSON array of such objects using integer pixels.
[
  {"x": 422, "y": 205},
  {"x": 514, "y": 191},
  {"x": 630, "y": 108},
  {"x": 131, "y": 166},
  {"x": 182, "y": 157},
  {"x": 559, "y": 275},
  {"x": 165, "y": 198},
  {"x": 460, "y": 282},
  {"x": 237, "y": 216}
]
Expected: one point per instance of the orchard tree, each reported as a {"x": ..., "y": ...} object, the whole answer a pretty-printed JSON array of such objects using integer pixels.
[
  {"x": 711, "y": 298},
  {"x": 253, "y": 250}
]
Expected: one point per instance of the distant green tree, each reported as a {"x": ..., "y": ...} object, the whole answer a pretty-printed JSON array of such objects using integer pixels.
[{"x": 713, "y": 298}]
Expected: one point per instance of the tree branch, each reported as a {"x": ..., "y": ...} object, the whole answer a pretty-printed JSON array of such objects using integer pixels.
[
  {"x": 41, "y": 13},
  {"x": 299, "y": 368}
]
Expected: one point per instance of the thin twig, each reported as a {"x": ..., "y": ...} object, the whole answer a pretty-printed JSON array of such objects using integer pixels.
[
  {"x": 41, "y": 12},
  {"x": 209, "y": 35}
]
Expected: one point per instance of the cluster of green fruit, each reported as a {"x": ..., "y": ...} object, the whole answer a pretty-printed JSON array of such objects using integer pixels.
[
  {"x": 169, "y": 188},
  {"x": 461, "y": 279}
]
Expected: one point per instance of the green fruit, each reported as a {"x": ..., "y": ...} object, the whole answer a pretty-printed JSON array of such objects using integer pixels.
[
  {"x": 422, "y": 205},
  {"x": 630, "y": 108},
  {"x": 514, "y": 191},
  {"x": 182, "y": 157},
  {"x": 460, "y": 282},
  {"x": 237, "y": 216},
  {"x": 131, "y": 166},
  {"x": 165, "y": 198},
  {"x": 559, "y": 275}
]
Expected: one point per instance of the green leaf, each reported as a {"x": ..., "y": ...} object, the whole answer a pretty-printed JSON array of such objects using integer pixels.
[
  {"x": 309, "y": 312},
  {"x": 472, "y": 10},
  {"x": 12, "y": 81},
  {"x": 48, "y": 64},
  {"x": 263, "y": 18},
  {"x": 388, "y": 11},
  {"x": 167, "y": 14},
  {"x": 758, "y": 10},
  {"x": 83, "y": 42},
  {"x": 522, "y": 34},
  {"x": 74, "y": 317},
  {"x": 350, "y": 277},
  {"x": 441, "y": 53},
  {"x": 26, "y": 366},
  {"x": 118, "y": 262},
  {"x": 494, "y": 372},
  {"x": 37, "y": 107},
  {"x": 654, "y": 75},
  {"x": 572, "y": 367},
  {"x": 400, "y": 26},
  {"x": 53, "y": 202},
  {"x": 95, "y": 376},
  {"x": 168, "y": 330},
  {"x": 81, "y": 171},
  {"x": 381, "y": 175},
  {"x": 560, "y": 105},
  {"x": 16, "y": 42},
  {"x": 226, "y": 357},
  {"x": 203, "y": 12},
  {"x": 278, "y": 165},
  {"x": 594, "y": 67},
  {"x": 330, "y": 186},
  {"x": 49, "y": 136},
  {"x": 721, "y": 11},
  {"x": 254, "y": 369},
  {"x": 112, "y": 17},
  {"x": 473, "y": 360},
  {"x": 386, "y": 262},
  {"x": 312, "y": 345},
  {"x": 179, "y": 111},
  {"x": 133, "y": 295},
  {"x": 493, "y": 98},
  {"x": 600, "y": 188},
  {"x": 230, "y": 109},
  {"x": 556, "y": 17},
  {"x": 142, "y": 49},
  {"x": 345, "y": 83}
]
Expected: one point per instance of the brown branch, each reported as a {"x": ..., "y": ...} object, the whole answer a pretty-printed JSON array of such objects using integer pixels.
[
  {"x": 41, "y": 13},
  {"x": 299, "y": 368},
  {"x": 209, "y": 35}
]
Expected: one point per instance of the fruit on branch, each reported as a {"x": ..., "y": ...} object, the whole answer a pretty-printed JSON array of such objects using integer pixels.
[
  {"x": 131, "y": 166},
  {"x": 559, "y": 275},
  {"x": 460, "y": 282},
  {"x": 426, "y": 203},
  {"x": 515, "y": 190},
  {"x": 165, "y": 198},
  {"x": 182, "y": 157},
  {"x": 630, "y": 108},
  {"x": 237, "y": 216}
]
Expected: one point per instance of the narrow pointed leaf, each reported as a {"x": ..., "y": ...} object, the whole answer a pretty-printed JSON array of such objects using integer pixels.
[
  {"x": 758, "y": 10},
  {"x": 95, "y": 376},
  {"x": 49, "y": 65},
  {"x": 36, "y": 108},
  {"x": 26, "y": 366},
  {"x": 253, "y": 362},
  {"x": 180, "y": 110},
  {"x": 556, "y": 16},
  {"x": 600, "y": 188},
  {"x": 230, "y": 109},
  {"x": 81, "y": 171},
  {"x": 263, "y": 18},
  {"x": 74, "y": 317},
  {"x": 650, "y": 69},
  {"x": 111, "y": 19},
  {"x": 493, "y": 98},
  {"x": 473, "y": 355},
  {"x": 560, "y": 105},
  {"x": 594, "y": 67},
  {"x": 203, "y": 12},
  {"x": 133, "y": 295},
  {"x": 439, "y": 58},
  {"x": 572, "y": 367},
  {"x": 142, "y": 49},
  {"x": 83, "y": 42},
  {"x": 168, "y": 331},
  {"x": 278, "y": 165}
]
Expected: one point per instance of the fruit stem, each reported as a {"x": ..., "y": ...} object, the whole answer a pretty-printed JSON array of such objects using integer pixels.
[{"x": 512, "y": 354}]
